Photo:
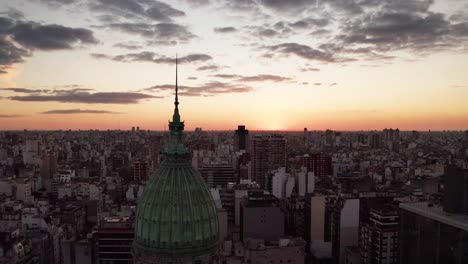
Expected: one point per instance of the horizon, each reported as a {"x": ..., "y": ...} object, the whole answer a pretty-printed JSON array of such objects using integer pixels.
[{"x": 273, "y": 66}]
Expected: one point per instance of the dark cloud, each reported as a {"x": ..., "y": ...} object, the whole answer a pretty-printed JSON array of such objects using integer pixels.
[
  {"x": 9, "y": 116},
  {"x": 263, "y": 77},
  {"x": 310, "y": 69},
  {"x": 253, "y": 78},
  {"x": 207, "y": 89},
  {"x": 225, "y": 29},
  {"x": 333, "y": 84},
  {"x": 21, "y": 90},
  {"x": 164, "y": 33},
  {"x": 149, "y": 56},
  {"x": 209, "y": 68},
  {"x": 290, "y": 5},
  {"x": 303, "y": 51},
  {"x": 419, "y": 32},
  {"x": 129, "y": 46},
  {"x": 18, "y": 39},
  {"x": 87, "y": 98},
  {"x": 13, "y": 14},
  {"x": 227, "y": 76},
  {"x": 79, "y": 111},
  {"x": 50, "y": 37},
  {"x": 137, "y": 9},
  {"x": 317, "y": 84}
]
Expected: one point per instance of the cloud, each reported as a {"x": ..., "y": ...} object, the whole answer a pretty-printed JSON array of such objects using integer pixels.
[
  {"x": 21, "y": 90},
  {"x": 163, "y": 33},
  {"x": 263, "y": 77},
  {"x": 303, "y": 51},
  {"x": 253, "y": 78},
  {"x": 192, "y": 78},
  {"x": 149, "y": 56},
  {"x": 18, "y": 39},
  {"x": 50, "y": 37},
  {"x": 137, "y": 9},
  {"x": 317, "y": 84},
  {"x": 86, "y": 97},
  {"x": 225, "y": 29},
  {"x": 209, "y": 68},
  {"x": 128, "y": 45},
  {"x": 227, "y": 76},
  {"x": 79, "y": 111},
  {"x": 72, "y": 88},
  {"x": 207, "y": 89},
  {"x": 309, "y": 69},
  {"x": 9, "y": 116},
  {"x": 333, "y": 84}
]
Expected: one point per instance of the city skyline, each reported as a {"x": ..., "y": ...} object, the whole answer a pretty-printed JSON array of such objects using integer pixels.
[{"x": 270, "y": 65}]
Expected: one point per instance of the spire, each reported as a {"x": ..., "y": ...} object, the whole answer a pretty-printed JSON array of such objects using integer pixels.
[
  {"x": 176, "y": 85},
  {"x": 176, "y": 127},
  {"x": 176, "y": 116}
]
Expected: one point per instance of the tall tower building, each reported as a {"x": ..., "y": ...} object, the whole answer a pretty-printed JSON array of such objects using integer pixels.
[
  {"x": 176, "y": 220},
  {"x": 268, "y": 153},
  {"x": 241, "y": 138}
]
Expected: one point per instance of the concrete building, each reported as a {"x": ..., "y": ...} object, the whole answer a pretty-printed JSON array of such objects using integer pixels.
[
  {"x": 281, "y": 251},
  {"x": 378, "y": 241},
  {"x": 261, "y": 218},
  {"x": 344, "y": 226},
  {"x": 218, "y": 174},
  {"x": 141, "y": 170},
  {"x": 241, "y": 139},
  {"x": 113, "y": 240},
  {"x": 267, "y": 153},
  {"x": 428, "y": 234},
  {"x": 318, "y": 163}
]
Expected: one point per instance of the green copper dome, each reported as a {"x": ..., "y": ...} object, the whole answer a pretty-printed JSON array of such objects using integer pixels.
[{"x": 176, "y": 217}]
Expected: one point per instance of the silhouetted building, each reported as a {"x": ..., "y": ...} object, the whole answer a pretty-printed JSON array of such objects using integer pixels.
[
  {"x": 456, "y": 190},
  {"x": 141, "y": 170},
  {"x": 430, "y": 235},
  {"x": 261, "y": 217},
  {"x": 268, "y": 153},
  {"x": 113, "y": 240},
  {"x": 241, "y": 139},
  {"x": 379, "y": 237},
  {"x": 218, "y": 174},
  {"x": 48, "y": 169},
  {"x": 375, "y": 141},
  {"x": 318, "y": 163}
]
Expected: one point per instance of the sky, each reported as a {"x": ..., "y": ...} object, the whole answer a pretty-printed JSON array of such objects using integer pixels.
[{"x": 266, "y": 64}]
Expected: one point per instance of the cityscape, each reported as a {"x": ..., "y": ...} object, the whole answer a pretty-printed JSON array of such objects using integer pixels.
[{"x": 233, "y": 132}]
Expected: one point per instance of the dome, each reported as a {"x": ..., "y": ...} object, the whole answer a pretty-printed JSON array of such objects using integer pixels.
[
  {"x": 176, "y": 217},
  {"x": 176, "y": 214}
]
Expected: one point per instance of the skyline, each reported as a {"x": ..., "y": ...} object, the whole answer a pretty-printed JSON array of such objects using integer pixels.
[{"x": 270, "y": 65}]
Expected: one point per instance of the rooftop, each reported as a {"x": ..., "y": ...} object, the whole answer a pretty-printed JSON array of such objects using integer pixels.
[{"x": 437, "y": 213}]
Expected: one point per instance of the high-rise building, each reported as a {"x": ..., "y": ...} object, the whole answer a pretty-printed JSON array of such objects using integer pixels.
[
  {"x": 428, "y": 234},
  {"x": 176, "y": 219},
  {"x": 48, "y": 169},
  {"x": 261, "y": 217},
  {"x": 344, "y": 226},
  {"x": 379, "y": 237},
  {"x": 241, "y": 139},
  {"x": 318, "y": 163},
  {"x": 268, "y": 153},
  {"x": 456, "y": 190},
  {"x": 329, "y": 137},
  {"x": 141, "y": 170},
  {"x": 113, "y": 240},
  {"x": 375, "y": 140},
  {"x": 218, "y": 174}
]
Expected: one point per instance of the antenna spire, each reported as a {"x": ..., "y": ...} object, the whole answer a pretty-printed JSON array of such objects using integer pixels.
[{"x": 176, "y": 86}]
